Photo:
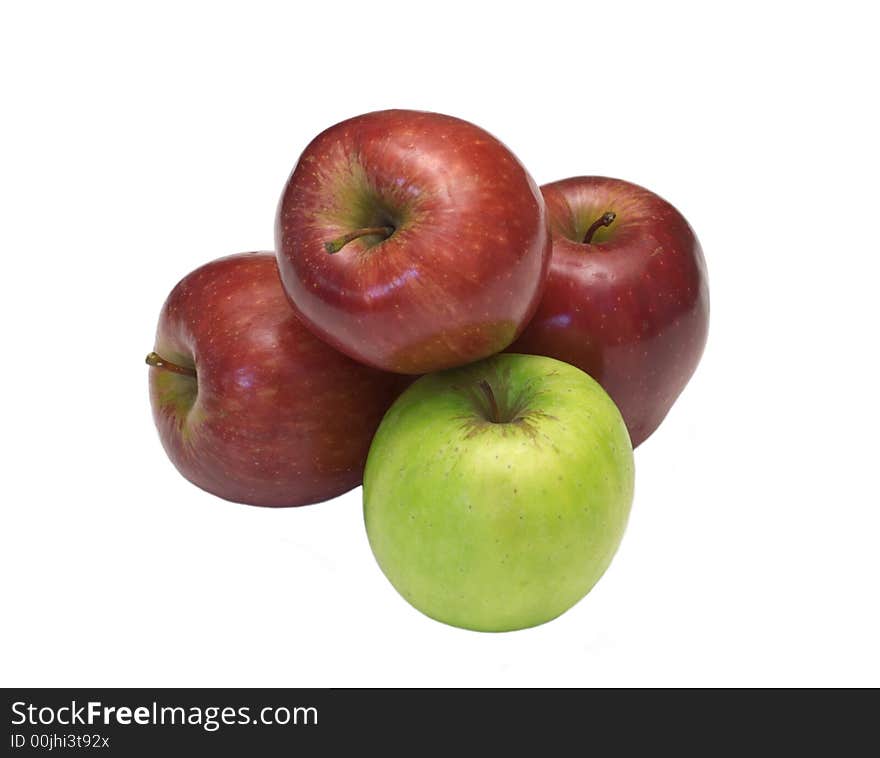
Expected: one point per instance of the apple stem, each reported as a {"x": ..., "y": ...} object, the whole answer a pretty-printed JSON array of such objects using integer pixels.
[
  {"x": 493, "y": 403},
  {"x": 157, "y": 361},
  {"x": 334, "y": 246},
  {"x": 606, "y": 219}
]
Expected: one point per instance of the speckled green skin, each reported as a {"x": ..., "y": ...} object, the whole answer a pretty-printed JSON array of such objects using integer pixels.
[{"x": 498, "y": 526}]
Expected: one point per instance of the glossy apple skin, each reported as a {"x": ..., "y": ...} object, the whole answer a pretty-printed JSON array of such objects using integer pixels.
[
  {"x": 465, "y": 267},
  {"x": 505, "y": 524},
  {"x": 631, "y": 309},
  {"x": 275, "y": 416}
]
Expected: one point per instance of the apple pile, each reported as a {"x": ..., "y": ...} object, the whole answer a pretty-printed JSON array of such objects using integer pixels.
[{"x": 481, "y": 354}]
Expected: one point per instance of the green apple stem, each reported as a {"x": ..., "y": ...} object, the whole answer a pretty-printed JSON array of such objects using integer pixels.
[
  {"x": 334, "y": 246},
  {"x": 157, "y": 361},
  {"x": 493, "y": 403},
  {"x": 605, "y": 220}
]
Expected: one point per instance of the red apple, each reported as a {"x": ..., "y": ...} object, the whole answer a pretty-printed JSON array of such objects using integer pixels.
[
  {"x": 627, "y": 298},
  {"x": 412, "y": 241},
  {"x": 249, "y": 405}
]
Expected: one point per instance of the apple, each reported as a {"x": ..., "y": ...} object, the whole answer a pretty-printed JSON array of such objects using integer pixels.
[
  {"x": 627, "y": 297},
  {"x": 248, "y": 404},
  {"x": 496, "y": 494},
  {"x": 412, "y": 241}
]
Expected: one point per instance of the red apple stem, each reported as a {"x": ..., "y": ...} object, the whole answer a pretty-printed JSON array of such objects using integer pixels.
[
  {"x": 605, "y": 220},
  {"x": 157, "y": 361},
  {"x": 493, "y": 403},
  {"x": 334, "y": 246}
]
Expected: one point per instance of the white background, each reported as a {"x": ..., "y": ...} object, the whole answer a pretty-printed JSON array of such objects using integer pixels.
[{"x": 139, "y": 142}]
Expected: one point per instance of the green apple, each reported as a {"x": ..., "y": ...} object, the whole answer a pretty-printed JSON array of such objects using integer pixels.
[{"x": 496, "y": 494}]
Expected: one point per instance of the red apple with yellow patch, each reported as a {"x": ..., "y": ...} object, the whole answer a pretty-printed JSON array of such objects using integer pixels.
[{"x": 412, "y": 241}]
